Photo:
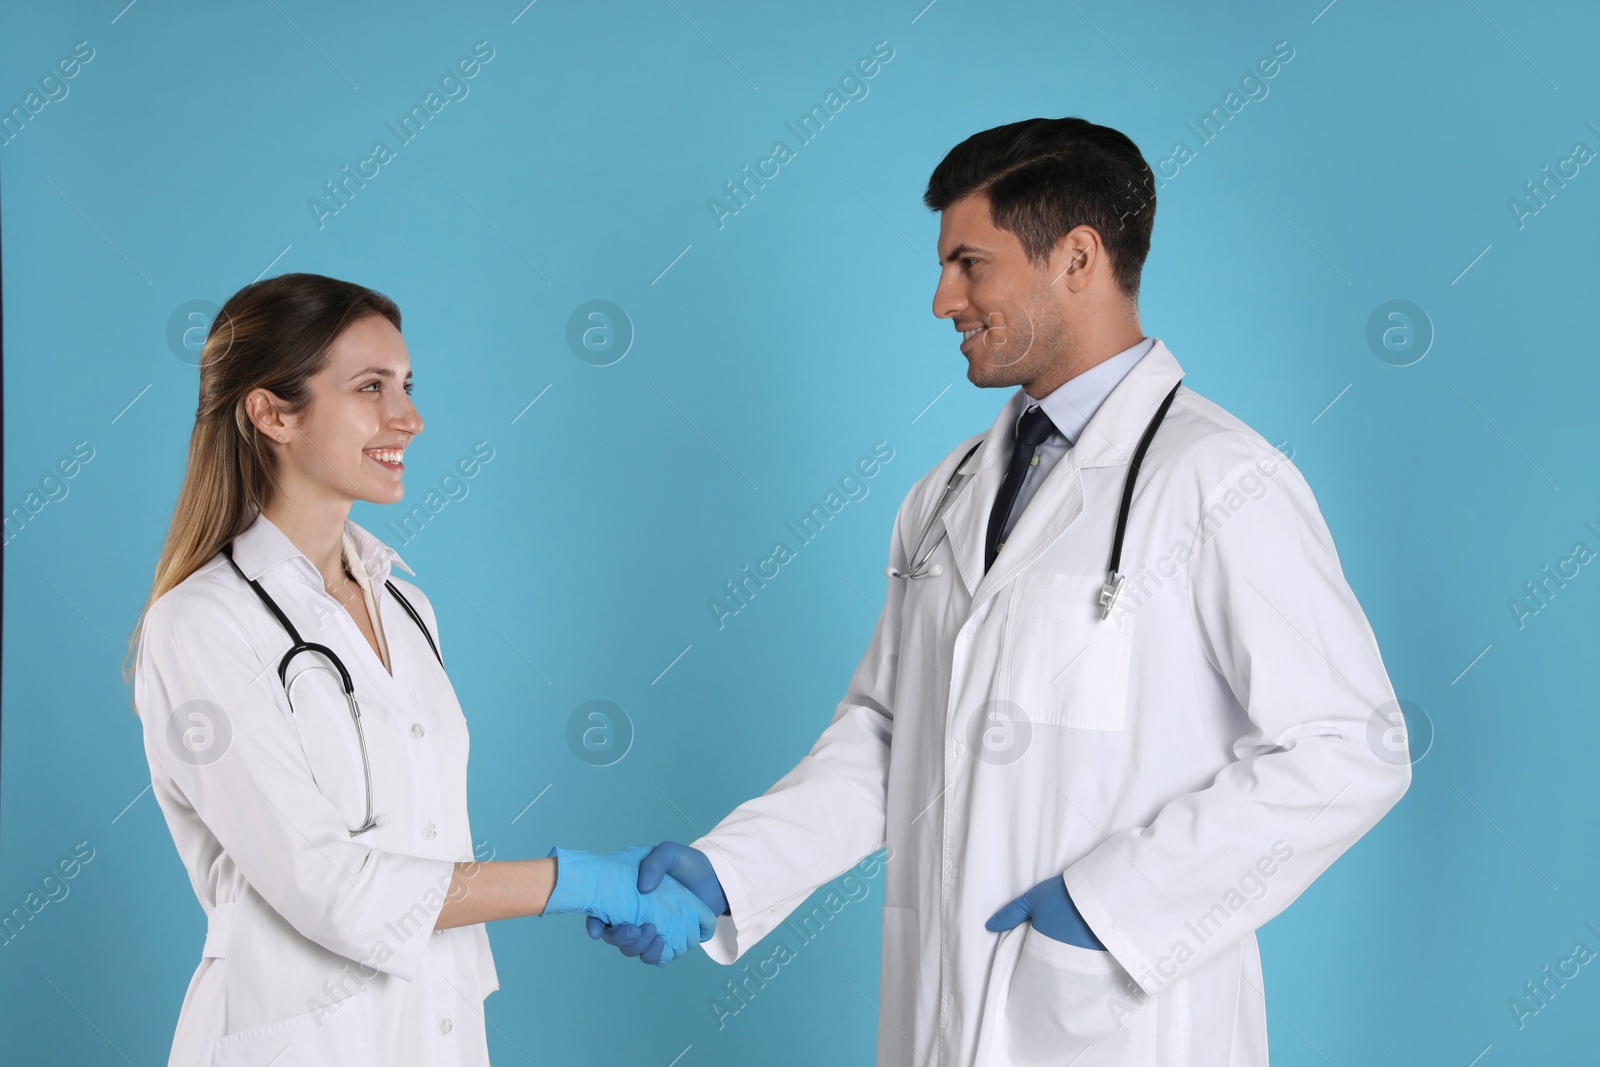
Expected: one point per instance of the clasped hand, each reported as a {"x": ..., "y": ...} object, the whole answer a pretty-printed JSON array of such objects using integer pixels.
[
  {"x": 609, "y": 889},
  {"x": 669, "y": 863}
]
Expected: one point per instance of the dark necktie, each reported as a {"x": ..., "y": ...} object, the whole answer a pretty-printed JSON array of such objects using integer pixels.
[{"x": 1032, "y": 430}]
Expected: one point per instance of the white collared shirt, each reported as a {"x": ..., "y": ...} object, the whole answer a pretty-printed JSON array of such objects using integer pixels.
[
  {"x": 1070, "y": 406},
  {"x": 352, "y": 559},
  {"x": 315, "y": 938}
]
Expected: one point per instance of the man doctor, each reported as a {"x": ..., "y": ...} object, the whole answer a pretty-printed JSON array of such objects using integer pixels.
[{"x": 1087, "y": 817}]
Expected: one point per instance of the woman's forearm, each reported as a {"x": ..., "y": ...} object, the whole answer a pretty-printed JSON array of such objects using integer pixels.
[{"x": 502, "y": 889}]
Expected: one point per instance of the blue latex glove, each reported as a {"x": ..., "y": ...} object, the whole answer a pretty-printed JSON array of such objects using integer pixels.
[
  {"x": 688, "y": 866},
  {"x": 605, "y": 887},
  {"x": 1052, "y": 911}
]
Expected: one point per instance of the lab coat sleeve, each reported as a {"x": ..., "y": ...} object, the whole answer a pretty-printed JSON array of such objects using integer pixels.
[
  {"x": 825, "y": 814},
  {"x": 196, "y": 671},
  {"x": 1277, "y": 621}
]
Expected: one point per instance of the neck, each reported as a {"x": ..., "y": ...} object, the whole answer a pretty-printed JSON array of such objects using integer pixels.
[
  {"x": 1094, "y": 346},
  {"x": 316, "y": 529}
]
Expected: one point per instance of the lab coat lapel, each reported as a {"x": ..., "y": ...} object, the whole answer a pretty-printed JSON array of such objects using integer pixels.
[
  {"x": 966, "y": 521},
  {"x": 1108, "y": 440},
  {"x": 1055, "y": 506}
]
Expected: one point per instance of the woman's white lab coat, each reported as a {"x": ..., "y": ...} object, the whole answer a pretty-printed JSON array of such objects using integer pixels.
[
  {"x": 1191, "y": 764},
  {"x": 319, "y": 946}
]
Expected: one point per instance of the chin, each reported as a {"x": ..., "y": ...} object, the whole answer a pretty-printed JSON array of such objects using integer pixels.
[
  {"x": 391, "y": 494},
  {"x": 990, "y": 377}
]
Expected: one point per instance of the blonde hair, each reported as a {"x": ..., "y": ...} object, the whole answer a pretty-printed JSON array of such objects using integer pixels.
[{"x": 272, "y": 334}]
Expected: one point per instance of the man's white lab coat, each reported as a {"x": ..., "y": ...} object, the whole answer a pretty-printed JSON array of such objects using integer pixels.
[{"x": 1191, "y": 765}]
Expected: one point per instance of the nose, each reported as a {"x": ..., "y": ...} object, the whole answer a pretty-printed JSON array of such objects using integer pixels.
[
  {"x": 408, "y": 420},
  {"x": 949, "y": 298}
]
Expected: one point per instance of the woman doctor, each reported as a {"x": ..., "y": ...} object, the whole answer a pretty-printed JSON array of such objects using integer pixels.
[{"x": 344, "y": 913}]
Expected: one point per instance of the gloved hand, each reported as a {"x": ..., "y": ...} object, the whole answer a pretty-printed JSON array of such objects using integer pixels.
[
  {"x": 688, "y": 866},
  {"x": 605, "y": 887},
  {"x": 1054, "y": 915}
]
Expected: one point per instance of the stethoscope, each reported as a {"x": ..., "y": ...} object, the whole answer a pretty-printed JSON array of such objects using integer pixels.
[
  {"x": 1114, "y": 578},
  {"x": 298, "y": 646}
]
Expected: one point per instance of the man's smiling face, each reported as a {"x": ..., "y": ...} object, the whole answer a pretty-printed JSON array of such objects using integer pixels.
[{"x": 1013, "y": 328}]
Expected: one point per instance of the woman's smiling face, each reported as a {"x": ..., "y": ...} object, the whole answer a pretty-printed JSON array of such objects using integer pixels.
[{"x": 350, "y": 441}]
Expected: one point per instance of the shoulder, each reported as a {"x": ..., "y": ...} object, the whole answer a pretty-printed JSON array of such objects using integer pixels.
[
  {"x": 1218, "y": 474},
  {"x": 413, "y": 594},
  {"x": 1207, "y": 448},
  {"x": 932, "y": 483},
  {"x": 212, "y": 596},
  {"x": 923, "y": 496},
  {"x": 197, "y": 627}
]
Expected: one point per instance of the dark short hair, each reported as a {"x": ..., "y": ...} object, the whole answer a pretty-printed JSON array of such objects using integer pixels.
[{"x": 1044, "y": 177}]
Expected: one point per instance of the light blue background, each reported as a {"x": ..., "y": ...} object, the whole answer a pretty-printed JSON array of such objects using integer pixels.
[{"x": 767, "y": 359}]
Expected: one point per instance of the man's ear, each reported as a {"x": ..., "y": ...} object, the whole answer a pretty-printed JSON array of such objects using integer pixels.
[{"x": 1076, "y": 256}]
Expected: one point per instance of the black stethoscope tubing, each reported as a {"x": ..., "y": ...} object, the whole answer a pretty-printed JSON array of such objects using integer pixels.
[
  {"x": 299, "y": 645},
  {"x": 1114, "y": 579},
  {"x": 1113, "y": 586}
]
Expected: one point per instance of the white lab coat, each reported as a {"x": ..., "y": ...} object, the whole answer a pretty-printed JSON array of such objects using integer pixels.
[
  {"x": 317, "y": 943},
  {"x": 1190, "y": 765}
]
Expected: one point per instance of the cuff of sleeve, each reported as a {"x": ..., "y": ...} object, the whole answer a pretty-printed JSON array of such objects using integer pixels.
[
  {"x": 1102, "y": 921},
  {"x": 402, "y": 924},
  {"x": 723, "y": 945}
]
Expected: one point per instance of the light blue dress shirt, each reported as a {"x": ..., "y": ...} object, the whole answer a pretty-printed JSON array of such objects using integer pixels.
[{"x": 1070, "y": 406}]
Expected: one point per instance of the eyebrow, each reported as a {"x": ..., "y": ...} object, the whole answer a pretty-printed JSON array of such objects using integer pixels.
[
  {"x": 382, "y": 372},
  {"x": 962, "y": 249}
]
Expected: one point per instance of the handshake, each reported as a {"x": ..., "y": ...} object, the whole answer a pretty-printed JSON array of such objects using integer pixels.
[{"x": 653, "y": 903}]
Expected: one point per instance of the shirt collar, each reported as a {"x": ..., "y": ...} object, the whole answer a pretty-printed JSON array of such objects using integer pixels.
[
  {"x": 376, "y": 556},
  {"x": 263, "y": 546},
  {"x": 1073, "y": 403}
]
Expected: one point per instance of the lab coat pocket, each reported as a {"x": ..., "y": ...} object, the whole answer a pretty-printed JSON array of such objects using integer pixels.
[
  {"x": 336, "y": 1033},
  {"x": 328, "y": 738},
  {"x": 1062, "y": 664},
  {"x": 1053, "y": 1003}
]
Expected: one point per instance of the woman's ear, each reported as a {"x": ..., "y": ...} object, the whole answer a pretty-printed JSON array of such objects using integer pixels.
[{"x": 266, "y": 412}]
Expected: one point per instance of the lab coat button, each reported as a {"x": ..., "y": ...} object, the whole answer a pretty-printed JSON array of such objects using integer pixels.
[
  {"x": 430, "y": 832},
  {"x": 445, "y": 1026},
  {"x": 417, "y": 730}
]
